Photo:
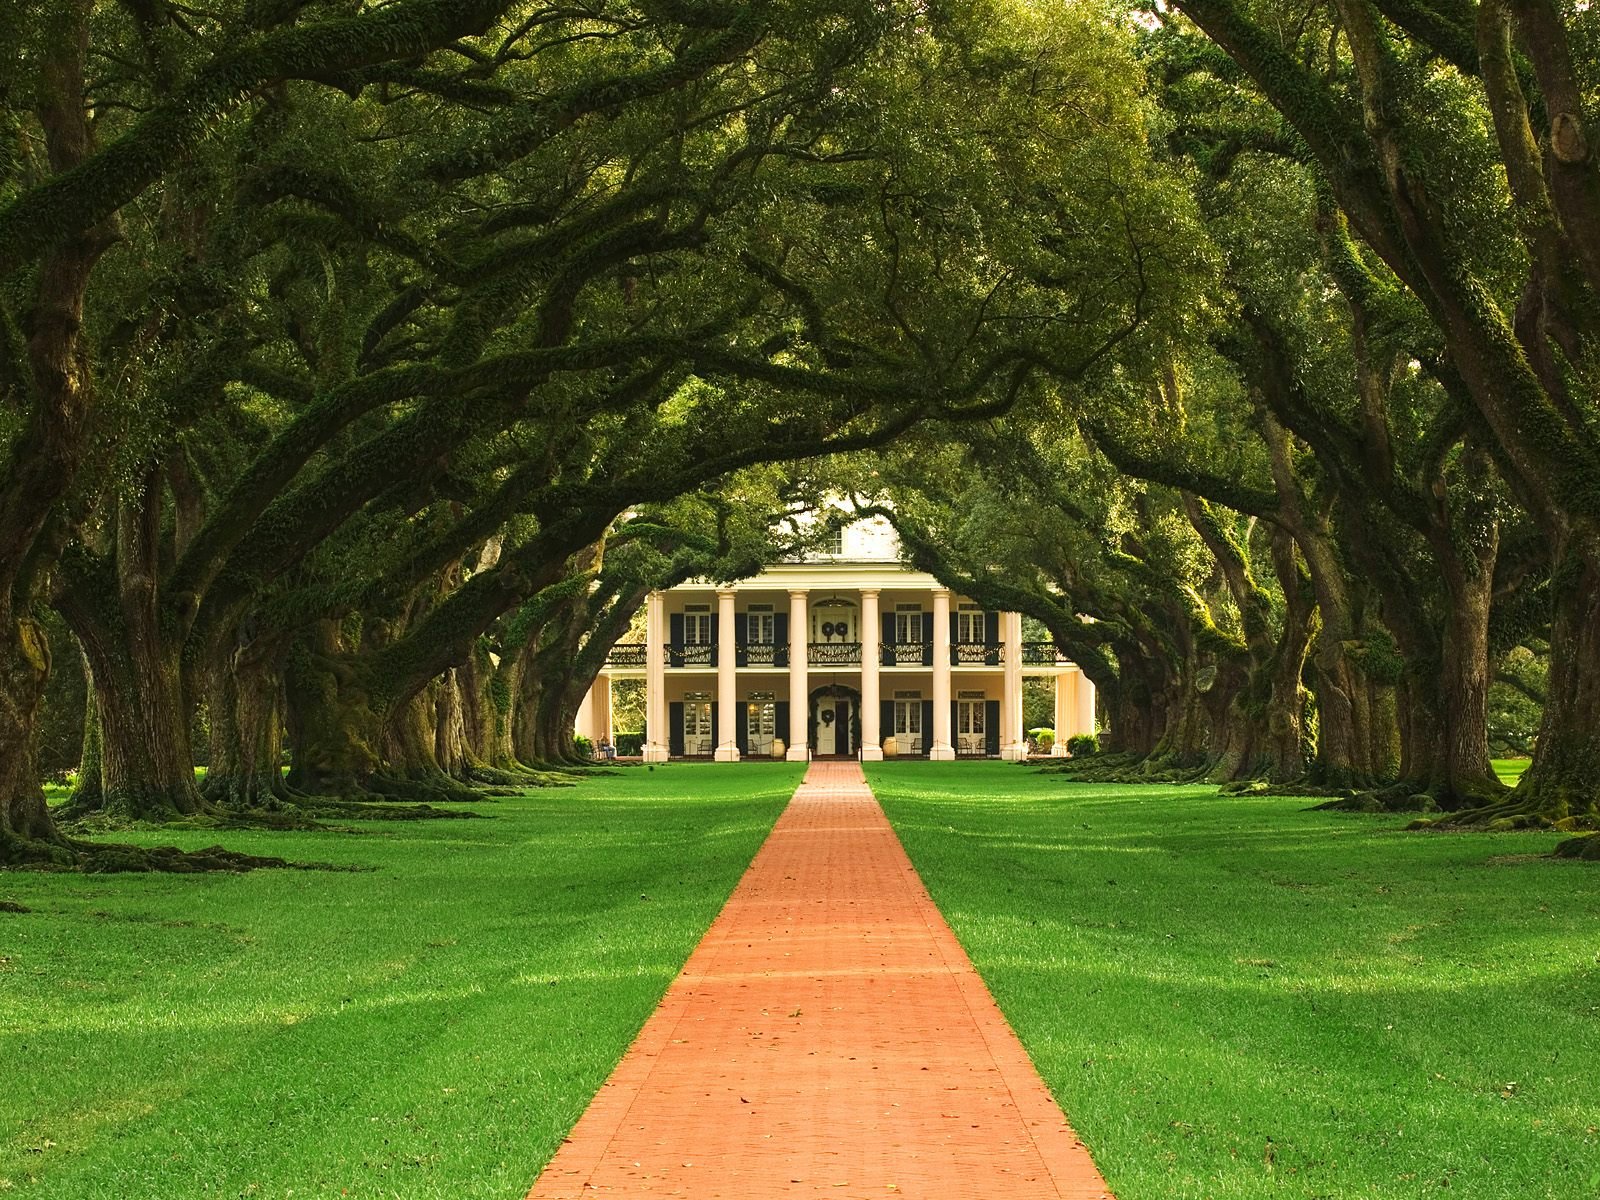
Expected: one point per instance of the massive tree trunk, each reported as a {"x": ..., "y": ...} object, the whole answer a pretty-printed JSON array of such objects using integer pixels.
[
  {"x": 136, "y": 662},
  {"x": 48, "y": 450},
  {"x": 333, "y": 732},
  {"x": 244, "y": 700},
  {"x": 1563, "y": 783},
  {"x": 26, "y": 829}
]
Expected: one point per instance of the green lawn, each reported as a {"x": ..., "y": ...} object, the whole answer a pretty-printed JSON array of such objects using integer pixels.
[
  {"x": 1232, "y": 997},
  {"x": 428, "y": 1028},
  {"x": 1510, "y": 769}
]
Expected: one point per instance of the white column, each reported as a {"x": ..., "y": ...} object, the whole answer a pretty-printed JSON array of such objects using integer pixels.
[
  {"x": 799, "y": 680},
  {"x": 655, "y": 678},
  {"x": 1085, "y": 721},
  {"x": 871, "y": 709},
  {"x": 600, "y": 695},
  {"x": 941, "y": 749},
  {"x": 727, "y": 682},
  {"x": 584, "y": 723},
  {"x": 1066, "y": 707},
  {"x": 1013, "y": 740}
]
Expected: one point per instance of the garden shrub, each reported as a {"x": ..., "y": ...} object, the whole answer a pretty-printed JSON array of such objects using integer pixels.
[{"x": 1080, "y": 744}]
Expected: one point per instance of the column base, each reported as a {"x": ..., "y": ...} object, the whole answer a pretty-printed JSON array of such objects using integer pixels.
[
  {"x": 653, "y": 753},
  {"x": 1016, "y": 752},
  {"x": 726, "y": 754},
  {"x": 941, "y": 754},
  {"x": 872, "y": 754},
  {"x": 1059, "y": 749},
  {"x": 798, "y": 754}
]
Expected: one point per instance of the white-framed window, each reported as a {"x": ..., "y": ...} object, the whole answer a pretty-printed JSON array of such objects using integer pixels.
[
  {"x": 760, "y": 629},
  {"x": 971, "y": 624},
  {"x": 833, "y": 542},
  {"x": 908, "y": 717},
  {"x": 697, "y": 722},
  {"x": 696, "y": 628},
  {"x": 907, "y": 623}
]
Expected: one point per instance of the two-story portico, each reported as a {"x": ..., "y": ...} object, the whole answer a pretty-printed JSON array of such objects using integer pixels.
[{"x": 849, "y": 653}]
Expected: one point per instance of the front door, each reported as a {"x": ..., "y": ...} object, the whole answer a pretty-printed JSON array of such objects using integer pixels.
[{"x": 833, "y": 726}]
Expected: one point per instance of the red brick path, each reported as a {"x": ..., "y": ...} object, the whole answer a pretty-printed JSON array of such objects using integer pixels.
[{"x": 827, "y": 1038}]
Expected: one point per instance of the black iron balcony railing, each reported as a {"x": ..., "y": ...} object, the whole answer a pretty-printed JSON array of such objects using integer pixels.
[
  {"x": 762, "y": 654},
  {"x": 628, "y": 654},
  {"x": 907, "y": 654},
  {"x": 1042, "y": 654},
  {"x": 834, "y": 654},
  {"x": 691, "y": 654},
  {"x": 976, "y": 653}
]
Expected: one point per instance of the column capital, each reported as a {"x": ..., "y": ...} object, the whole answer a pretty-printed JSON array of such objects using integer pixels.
[
  {"x": 870, "y": 591},
  {"x": 793, "y": 592},
  {"x": 941, "y": 590},
  {"x": 727, "y": 591}
]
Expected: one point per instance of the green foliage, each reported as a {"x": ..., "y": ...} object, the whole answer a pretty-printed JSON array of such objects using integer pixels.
[
  {"x": 1081, "y": 744},
  {"x": 630, "y": 745},
  {"x": 583, "y": 745}
]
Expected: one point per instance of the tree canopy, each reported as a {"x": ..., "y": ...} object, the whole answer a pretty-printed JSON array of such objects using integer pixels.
[{"x": 364, "y": 366}]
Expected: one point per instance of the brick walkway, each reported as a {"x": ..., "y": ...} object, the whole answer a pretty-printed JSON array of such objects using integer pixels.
[{"x": 827, "y": 1038}]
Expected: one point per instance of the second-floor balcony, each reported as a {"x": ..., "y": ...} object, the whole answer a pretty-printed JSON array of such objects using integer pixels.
[
  {"x": 980, "y": 654},
  {"x": 628, "y": 654},
  {"x": 1042, "y": 654},
  {"x": 834, "y": 654}
]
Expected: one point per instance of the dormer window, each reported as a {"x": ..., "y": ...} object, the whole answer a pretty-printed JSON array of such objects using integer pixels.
[{"x": 833, "y": 543}]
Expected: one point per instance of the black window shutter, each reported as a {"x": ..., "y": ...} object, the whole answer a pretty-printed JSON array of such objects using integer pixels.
[
  {"x": 780, "y": 721},
  {"x": 927, "y": 644},
  {"x": 716, "y": 637},
  {"x": 715, "y": 740},
  {"x": 886, "y": 725},
  {"x": 991, "y": 637},
  {"x": 888, "y": 644},
  {"x": 955, "y": 737},
  {"x": 741, "y": 729},
  {"x": 991, "y": 728},
  {"x": 675, "y": 728},
  {"x": 675, "y": 645},
  {"x": 927, "y": 725},
  {"x": 780, "y": 652}
]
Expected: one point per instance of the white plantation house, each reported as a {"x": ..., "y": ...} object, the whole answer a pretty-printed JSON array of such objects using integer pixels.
[{"x": 847, "y": 654}]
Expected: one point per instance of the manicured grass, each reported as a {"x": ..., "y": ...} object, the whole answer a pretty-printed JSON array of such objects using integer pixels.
[
  {"x": 1232, "y": 997},
  {"x": 429, "y": 1028},
  {"x": 1510, "y": 769}
]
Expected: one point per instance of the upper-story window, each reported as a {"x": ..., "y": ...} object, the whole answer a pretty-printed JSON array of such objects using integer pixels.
[
  {"x": 697, "y": 629},
  {"x": 761, "y": 629},
  {"x": 907, "y": 624},
  {"x": 833, "y": 542},
  {"x": 970, "y": 625}
]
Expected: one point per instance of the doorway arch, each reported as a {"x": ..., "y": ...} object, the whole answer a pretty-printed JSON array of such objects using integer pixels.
[{"x": 834, "y": 716}]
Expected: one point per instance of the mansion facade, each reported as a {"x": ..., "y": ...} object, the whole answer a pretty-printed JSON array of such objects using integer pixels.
[{"x": 847, "y": 654}]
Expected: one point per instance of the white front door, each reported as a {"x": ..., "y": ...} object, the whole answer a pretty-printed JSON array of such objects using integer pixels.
[
  {"x": 830, "y": 713},
  {"x": 834, "y": 623}
]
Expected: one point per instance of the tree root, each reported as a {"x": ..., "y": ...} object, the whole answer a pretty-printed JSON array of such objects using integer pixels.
[
  {"x": 107, "y": 858},
  {"x": 1518, "y": 810},
  {"x": 1585, "y": 848},
  {"x": 11, "y": 906}
]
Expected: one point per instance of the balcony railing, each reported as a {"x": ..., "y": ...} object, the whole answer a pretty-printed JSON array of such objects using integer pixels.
[
  {"x": 976, "y": 653},
  {"x": 628, "y": 654},
  {"x": 907, "y": 654},
  {"x": 691, "y": 654},
  {"x": 834, "y": 654},
  {"x": 762, "y": 654},
  {"x": 1042, "y": 654}
]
